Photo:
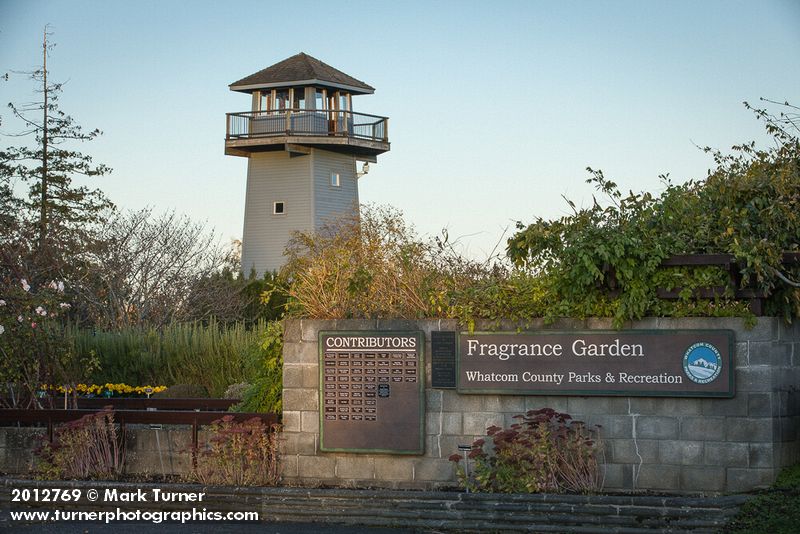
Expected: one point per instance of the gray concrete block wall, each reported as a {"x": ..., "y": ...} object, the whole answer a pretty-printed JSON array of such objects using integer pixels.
[
  {"x": 649, "y": 443},
  {"x": 166, "y": 451},
  {"x": 17, "y": 446}
]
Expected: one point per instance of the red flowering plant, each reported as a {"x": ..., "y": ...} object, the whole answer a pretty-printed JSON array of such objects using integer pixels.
[{"x": 546, "y": 451}]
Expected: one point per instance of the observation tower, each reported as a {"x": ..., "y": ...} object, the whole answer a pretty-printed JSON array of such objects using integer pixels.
[{"x": 303, "y": 142}]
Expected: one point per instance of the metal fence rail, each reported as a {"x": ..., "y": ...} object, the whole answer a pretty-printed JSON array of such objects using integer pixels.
[
  {"x": 253, "y": 124},
  {"x": 123, "y": 403}
]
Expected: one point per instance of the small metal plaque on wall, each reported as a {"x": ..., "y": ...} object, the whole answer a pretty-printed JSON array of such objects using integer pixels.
[
  {"x": 443, "y": 359},
  {"x": 372, "y": 391}
]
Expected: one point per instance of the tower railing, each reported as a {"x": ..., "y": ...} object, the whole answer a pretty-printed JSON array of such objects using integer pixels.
[{"x": 311, "y": 122}]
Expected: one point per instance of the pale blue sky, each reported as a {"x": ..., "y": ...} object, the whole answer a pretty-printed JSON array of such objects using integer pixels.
[{"x": 495, "y": 108}]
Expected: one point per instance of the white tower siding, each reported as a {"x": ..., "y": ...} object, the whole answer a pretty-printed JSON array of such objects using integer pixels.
[
  {"x": 331, "y": 202},
  {"x": 274, "y": 177},
  {"x": 303, "y": 184}
]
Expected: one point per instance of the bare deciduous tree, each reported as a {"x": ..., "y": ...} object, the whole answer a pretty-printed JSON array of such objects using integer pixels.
[{"x": 158, "y": 269}]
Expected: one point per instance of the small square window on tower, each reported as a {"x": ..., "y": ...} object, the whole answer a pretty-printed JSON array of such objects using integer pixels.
[
  {"x": 278, "y": 208},
  {"x": 335, "y": 179}
]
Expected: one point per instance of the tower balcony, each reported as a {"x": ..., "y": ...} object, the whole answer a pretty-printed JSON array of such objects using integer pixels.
[{"x": 296, "y": 130}]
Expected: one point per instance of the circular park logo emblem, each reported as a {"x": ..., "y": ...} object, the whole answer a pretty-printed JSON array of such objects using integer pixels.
[{"x": 702, "y": 363}]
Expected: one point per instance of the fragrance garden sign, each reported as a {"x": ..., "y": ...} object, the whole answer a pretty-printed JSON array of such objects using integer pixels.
[{"x": 693, "y": 363}]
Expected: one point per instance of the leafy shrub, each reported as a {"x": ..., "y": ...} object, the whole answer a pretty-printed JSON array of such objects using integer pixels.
[
  {"x": 606, "y": 259},
  {"x": 359, "y": 267},
  {"x": 90, "y": 447},
  {"x": 776, "y": 510},
  {"x": 265, "y": 392},
  {"x": 789, "y": 479},
  {"x": 239, "y": 454},
  {"x": 375, "y": 266},
  {"x": 545, "y": 452},
  {"x": 266, "y": 296}
]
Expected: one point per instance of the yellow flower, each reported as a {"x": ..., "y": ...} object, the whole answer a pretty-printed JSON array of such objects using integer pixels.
[{"x": 87, "y": 389}]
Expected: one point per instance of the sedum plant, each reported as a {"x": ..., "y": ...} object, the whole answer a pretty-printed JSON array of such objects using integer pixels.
[
  {"x": 239, "y": 454},
  {"x": 546, "y": 451},
  {"x": 88, "y": 448}
]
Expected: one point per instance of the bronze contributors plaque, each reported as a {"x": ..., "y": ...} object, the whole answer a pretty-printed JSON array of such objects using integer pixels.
[
  {"x": 690, "y": 363},
  {"x": 372, "y": 392}
]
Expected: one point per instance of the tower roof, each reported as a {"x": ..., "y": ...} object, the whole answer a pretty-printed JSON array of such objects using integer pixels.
[{"x": 300, "y": 69}]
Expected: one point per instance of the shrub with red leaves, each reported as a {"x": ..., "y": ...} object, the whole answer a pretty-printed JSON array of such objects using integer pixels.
[
  {"x": 239, "y": 454},
  {"x": 546, "y": 451},
  {"x": 88, "y": 448}
]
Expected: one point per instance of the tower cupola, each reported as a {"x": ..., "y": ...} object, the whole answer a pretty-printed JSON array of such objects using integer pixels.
[{"x": 303, "y": 102}]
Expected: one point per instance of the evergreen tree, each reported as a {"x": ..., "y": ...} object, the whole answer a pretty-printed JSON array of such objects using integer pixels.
[{"x": 57, "y": 219}]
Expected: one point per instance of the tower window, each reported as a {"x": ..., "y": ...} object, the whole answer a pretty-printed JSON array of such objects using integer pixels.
[
  {"x": 281, "y": 100},
  {"x": 278, "y": 208},
  {"x": 335, "y": 179},
  {"x": 299, "y": 98},
  {"x": 319, "y": 99}
]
